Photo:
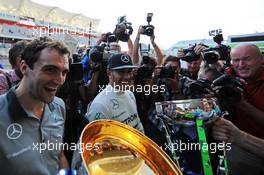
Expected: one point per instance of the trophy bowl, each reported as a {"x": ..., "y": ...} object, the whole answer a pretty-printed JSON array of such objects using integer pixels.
[{"x": 118, "y": 149}]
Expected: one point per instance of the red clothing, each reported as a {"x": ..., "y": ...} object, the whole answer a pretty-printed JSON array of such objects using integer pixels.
[{"x": 254, "y": 94}]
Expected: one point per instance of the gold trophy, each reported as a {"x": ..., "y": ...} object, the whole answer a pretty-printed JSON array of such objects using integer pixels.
[{"x": 118, "y": 149}]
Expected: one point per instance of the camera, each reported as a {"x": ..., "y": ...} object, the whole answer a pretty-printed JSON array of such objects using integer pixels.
[
  {"x": 167, "y": 72},
  {"x": 199, "y": 87},
  {"x": 123, "y": 29},
  {"x": 220, "y": 52},
  {"x": 231, "y": 88},
  {"x": 75, "y": 72},
  {"x": 148, "y": 29},
  {"x": 145, "y": 70},
  {"x": 190, "y": 55},
  {"x": 99, "y": 54},
  {"x": 230, "y": 91},
  {"x": 109, "y": 38}
]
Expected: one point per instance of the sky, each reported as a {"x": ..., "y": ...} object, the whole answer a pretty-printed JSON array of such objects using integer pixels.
[{"x": 174, "y": 20}]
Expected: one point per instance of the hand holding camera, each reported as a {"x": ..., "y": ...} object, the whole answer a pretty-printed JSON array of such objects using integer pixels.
[
  {"x": 190, "y": 54},
  {"x": 199, "y": 48},
  {"x": 140, "y": 30},
  {"x": 180, "y": 53},
  {"x": 148, "y": 29},
  {"x": 123, "y": 29}
]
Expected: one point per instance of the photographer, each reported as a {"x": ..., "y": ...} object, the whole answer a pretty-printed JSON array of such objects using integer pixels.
[
  {"x": 174, "y": 85},
  {"x": 193, "y": 59},
  {"x": 247, "y": 63},
  {"x": 159, "y": 131},
  {"x": 143, "y": 77},
  {"x": 135, "y": 54},
  {"x": 249, "y": 112},
  {"x": 73, "y": 93}
]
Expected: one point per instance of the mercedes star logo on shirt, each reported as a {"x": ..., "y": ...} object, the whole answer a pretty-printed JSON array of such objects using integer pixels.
[
  {"x": 14, "y": 131},
  {"x": 115, "y": 104}
]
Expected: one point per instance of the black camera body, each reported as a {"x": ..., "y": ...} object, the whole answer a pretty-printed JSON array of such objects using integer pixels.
[
  {"x": 231, "y": 88},
  {"x": 190, "y": 55},
  {"x": 99, "y": 54},
  {"x": 230, "y": 91},
  {"x": 148, "y": 29},
  {"x": 110, "y": 37},
  {"x": 167, "y": 72},
  {"x": 123, "y": 29},
  {"x": 199, "y": 87},
  {"x": 220, "y": 52},
  {"x": 144, "y": 72}
]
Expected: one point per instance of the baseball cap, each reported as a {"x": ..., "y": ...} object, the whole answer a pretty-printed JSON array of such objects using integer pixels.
[{"x": 120, "y": 61}]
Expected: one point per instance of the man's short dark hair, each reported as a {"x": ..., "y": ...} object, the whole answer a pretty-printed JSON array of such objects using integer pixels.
[
  {"x": 34, "y": 48},
  {"x": 16, "y": 51},
  {"x": 172, "y": 58}
]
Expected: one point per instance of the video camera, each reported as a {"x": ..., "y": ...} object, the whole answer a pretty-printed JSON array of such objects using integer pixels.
[
  {"x": 123, "y": 29},
  {"x": 148, "y": 29},
  {"x": 190, "y": 55},
  {"x": 220, "y": 52}
]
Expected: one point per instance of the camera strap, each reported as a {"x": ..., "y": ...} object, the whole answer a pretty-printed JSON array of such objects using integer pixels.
[{"x": 207, "y": 166}]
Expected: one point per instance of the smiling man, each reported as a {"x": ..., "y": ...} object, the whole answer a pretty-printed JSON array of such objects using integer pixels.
[
  {"x": 247, "y": 62},
  {"x": 31, "y": 110}
]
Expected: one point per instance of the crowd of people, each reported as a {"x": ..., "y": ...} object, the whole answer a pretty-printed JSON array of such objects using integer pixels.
[{"x": 39, "y": 74}]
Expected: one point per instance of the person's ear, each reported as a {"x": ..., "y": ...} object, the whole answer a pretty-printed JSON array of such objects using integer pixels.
[
  {"x": 109, "y": 74},
  {"x": 24, "y": 68}
]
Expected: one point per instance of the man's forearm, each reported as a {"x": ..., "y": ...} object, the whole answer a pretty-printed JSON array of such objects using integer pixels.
[
  {"x": 158, "y": 53},
  {"x": 130, "y": 47},
  {"x": 135, "y": 57},
  {"x": 251, "y": 110},
  {"x": 251, "y": 143}
]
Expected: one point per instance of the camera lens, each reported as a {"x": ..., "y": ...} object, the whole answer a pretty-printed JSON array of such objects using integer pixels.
[
  {"x": 211, "y": 57},
  {"x": 149, "y": 31}
]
